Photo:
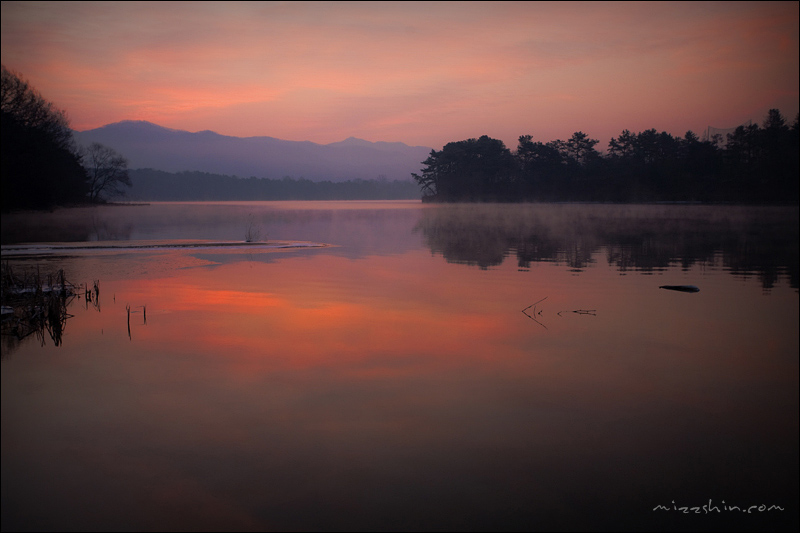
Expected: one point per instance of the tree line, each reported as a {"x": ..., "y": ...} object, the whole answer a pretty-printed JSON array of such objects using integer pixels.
[
  {"x": 157, "y": 185},
  {"x": 41, "y": 165},
  {"x": 754, "y": 164}
]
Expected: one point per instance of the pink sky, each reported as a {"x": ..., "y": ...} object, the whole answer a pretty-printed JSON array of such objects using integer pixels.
[{"x": 422, "y": 73}]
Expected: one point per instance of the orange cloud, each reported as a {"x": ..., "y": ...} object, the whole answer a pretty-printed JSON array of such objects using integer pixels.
[{"x": 423, "y": 74}]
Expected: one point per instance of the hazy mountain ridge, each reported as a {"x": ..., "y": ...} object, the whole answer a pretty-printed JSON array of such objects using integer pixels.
[{"x": 148, "y": 145}]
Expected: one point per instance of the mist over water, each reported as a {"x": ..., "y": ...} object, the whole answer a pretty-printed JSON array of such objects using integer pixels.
[
  {"x": 747, "y": 240},
  {"x": 450, "y": 367}
]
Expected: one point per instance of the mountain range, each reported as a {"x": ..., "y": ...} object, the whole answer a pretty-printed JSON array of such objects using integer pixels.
[{"x": 148, "y": 145}]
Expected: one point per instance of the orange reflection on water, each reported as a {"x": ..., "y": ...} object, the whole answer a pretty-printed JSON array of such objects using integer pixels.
[
  {"x": 326, "y": 334},
  {"x": 317, "y": 385},
  {"x": 327, "y": 312}
]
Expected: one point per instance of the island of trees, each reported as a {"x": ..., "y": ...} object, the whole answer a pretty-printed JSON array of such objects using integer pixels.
[
  {"x": 752, "y": 165},
  {"x": 42, "y": 167}
]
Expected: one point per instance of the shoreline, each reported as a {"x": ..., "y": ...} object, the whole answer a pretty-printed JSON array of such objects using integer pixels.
[{"x": 28, "y": 249}]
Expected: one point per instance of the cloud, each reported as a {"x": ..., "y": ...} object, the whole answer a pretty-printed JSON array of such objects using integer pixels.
[{"x": 420, "y": 73}]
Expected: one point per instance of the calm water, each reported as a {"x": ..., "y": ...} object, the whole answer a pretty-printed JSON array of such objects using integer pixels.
[{"x": 436, "y": 367}]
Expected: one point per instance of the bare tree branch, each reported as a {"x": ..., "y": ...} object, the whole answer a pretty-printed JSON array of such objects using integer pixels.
[{"x": 107, "y": 170}]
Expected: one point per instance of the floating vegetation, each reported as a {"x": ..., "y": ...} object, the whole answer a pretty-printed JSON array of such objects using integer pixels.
[{"x": 36, "y": 304}]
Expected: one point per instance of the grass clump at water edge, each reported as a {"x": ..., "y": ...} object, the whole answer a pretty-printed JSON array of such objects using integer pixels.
[{"x": 33, "y": 304}]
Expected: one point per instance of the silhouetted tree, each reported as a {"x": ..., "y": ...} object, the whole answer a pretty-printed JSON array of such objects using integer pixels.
[
  {"x": 777, "y": 169},
  {"x": 580, "y": 148},
  {"x": 107, "y": 171},
  {"x": 757, "y": 165},
  {"x": 31, "y": 111},
  {"x": 775, "y": 121},
  {"x": 650, "y": 166},
  {"x": 700, "y": 165},
  {"x": 40, "y": 167},
  {"x": 540, "y": 166},
  {"x": 473, "y": 169},
  {"x": 749, "y": 159},
  {"x": 623, "y": 146},
  {"x": 558, "y": 170},
  {"x": 742, "y": 147}
]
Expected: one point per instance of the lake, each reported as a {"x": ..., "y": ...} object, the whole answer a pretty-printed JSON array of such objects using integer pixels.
[{"x": 431, "y": 367}]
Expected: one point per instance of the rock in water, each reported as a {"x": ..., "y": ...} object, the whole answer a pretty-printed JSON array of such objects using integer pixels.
[{"x": 682, "y": 288}]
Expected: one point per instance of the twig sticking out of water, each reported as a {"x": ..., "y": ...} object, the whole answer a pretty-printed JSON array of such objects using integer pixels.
[
  {"x": 532, "y": 317},
  {"x": 592, "y": 312},
  {"x": 92, "y": 295},
  {"x": 535, "y": 312},
  {"x": 253, "y": 231},
  {"x": 534, "y": 305}
]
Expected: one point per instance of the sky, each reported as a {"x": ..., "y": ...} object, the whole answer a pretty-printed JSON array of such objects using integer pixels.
[{"x": 422, "y": 73}]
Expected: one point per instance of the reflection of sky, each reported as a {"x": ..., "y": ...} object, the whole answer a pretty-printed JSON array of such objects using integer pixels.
[{"x": 391, "y": 391}]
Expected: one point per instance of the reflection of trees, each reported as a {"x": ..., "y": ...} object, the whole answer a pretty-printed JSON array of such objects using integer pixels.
[
  {"x": 760, "y": 241},
  {"x": 753, "y": 252},
  {"x": 485, "y": 234},
  {"x": 77, "y": 224},
  {"x": 473, "y": 243}
]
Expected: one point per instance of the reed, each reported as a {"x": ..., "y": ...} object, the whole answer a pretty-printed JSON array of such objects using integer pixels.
[
  {"x": 253, "y": 230},
  {"x": 33, "y": 304}
]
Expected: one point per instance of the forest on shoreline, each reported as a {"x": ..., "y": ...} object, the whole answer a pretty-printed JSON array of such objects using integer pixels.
[
  {"x": 752, "y": 165},
  {"x": 155, "y": 185},
  {"x": 41, "y": 165}
]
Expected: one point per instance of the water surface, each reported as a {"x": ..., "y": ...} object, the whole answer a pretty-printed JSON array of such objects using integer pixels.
[{"x": 435, "y": 367}]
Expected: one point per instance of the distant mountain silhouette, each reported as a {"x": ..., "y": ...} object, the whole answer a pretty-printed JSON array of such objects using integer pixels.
[{"x": 148, "y": 145}]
